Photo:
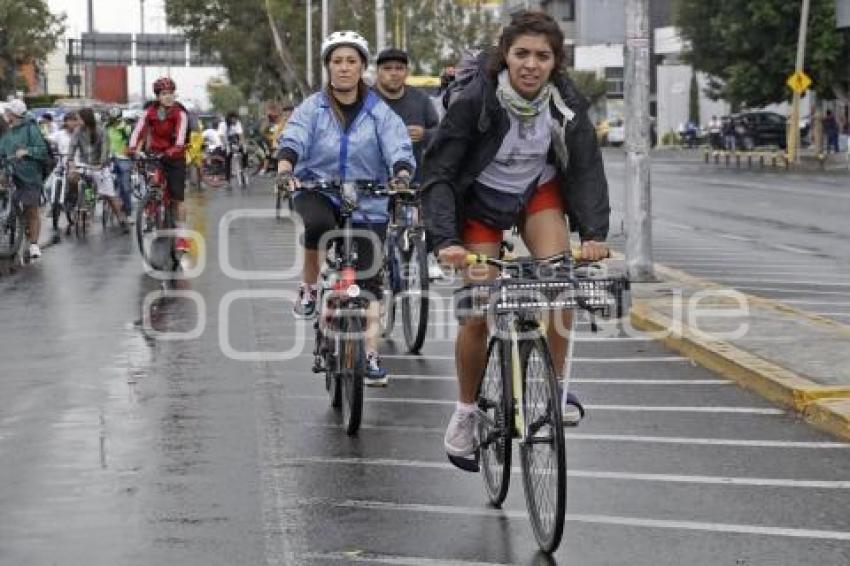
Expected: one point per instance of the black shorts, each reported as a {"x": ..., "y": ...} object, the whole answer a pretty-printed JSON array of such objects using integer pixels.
[
  {"x": 175, "y": 176},
  {"x": 320, "y": 217}
]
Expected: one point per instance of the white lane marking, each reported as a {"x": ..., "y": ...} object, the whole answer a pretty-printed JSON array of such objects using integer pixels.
[
  {"x": 800, "y": 292},
  {"x": 810, "y": 282},
  {"x": 622, "y": 408},
  {"x": 832, "y": 313},
  {"x": 808, "y": 302},
  {"x": 356, "y": 557},
  {"x": 707, "y": 441},
  {"x": 732, "y": 442},
  {"x": 577, "y": 360},
  {"x": 612, "y": 381},
  {"x": 589, "y": 474},
  {"x": 589, "y": 519}
]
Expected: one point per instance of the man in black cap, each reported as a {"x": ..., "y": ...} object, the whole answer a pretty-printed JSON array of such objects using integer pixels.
[{"x": 411, "y": 104}]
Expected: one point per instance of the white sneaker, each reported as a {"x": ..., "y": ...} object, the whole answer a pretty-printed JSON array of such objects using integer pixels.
[
  {"x": 35, "y": 251},
  {"x": 434, "y": 269},
  {"x": 460, "y": 434}
]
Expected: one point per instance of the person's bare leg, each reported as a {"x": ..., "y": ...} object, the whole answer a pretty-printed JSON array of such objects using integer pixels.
[
  {"x": 311, "y": 267},
  {"x": 471, "y": 343},
  {"x": 546, "y": 233},
  {"x": 33, "y": 224}
]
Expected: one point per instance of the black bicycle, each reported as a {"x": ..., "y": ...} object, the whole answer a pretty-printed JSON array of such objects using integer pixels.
[
  {"x": 340, "y": 351},
  {"x": 406, "y": 270},
  {"x": 519, "y": 397},
  {"x": 12, "y": 219}
]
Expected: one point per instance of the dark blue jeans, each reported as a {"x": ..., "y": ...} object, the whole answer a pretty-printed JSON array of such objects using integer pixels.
[{"x": 122, "y": 180}]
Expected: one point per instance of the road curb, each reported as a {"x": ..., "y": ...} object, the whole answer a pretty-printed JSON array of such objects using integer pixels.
[{"x": 825, "y": 407}]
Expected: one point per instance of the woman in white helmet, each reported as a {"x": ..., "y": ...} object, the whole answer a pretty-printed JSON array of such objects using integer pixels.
[{"x": 347, "y": 133}]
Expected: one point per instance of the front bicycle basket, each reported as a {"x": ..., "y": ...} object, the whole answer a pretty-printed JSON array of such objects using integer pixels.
[{"x": 607, "y": 297}]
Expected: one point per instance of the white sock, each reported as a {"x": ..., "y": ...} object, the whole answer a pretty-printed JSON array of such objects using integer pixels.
[{"x": 466, "y": 407}]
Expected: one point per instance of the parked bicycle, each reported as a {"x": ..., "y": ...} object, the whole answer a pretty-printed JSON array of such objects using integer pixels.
[
  {"x": 519, "y": 397},
  {"x": 406, "y": 270}
]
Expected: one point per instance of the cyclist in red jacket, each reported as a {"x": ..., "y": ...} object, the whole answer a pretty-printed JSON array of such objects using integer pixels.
[{"x": 162, "y": 130}]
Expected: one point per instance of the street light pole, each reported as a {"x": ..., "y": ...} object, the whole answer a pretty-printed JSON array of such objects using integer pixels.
[
  {"x": 141, "y": 33},
  {"x": 309, "y": 43},
  {"x": 638, "y": 211},
  {"x": 325, "y": 33},
  {"x": 380, "y": 26},
  {"x": 794, "y": 126},
  {"x": 90, "y": 67}
]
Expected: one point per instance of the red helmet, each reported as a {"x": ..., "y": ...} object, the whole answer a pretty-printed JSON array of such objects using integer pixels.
[{"x": 163, "y": 83}]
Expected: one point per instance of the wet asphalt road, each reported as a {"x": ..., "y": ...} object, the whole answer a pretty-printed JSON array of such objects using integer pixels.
[
  {"x": 122, "y": 446},
  {"x": 772, "y": 234}
]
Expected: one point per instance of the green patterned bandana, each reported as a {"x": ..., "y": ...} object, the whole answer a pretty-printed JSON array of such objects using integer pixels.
[{"x": 515, "y": 103}]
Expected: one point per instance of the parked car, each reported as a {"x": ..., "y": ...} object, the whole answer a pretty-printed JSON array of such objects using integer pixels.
[
  {"x": 755, "y": 129},
  {"x": 616, "y": 132}
]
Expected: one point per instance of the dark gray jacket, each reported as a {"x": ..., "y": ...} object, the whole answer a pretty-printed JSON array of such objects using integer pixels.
[{"x": 468, "y": 139}]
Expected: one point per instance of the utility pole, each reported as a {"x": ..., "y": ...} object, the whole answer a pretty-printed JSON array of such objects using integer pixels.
[
  {"x": 90, "y": 66},
  {"x": 638, "y": 200},
  {"x": 325, "y": 33},
  {"x": 142, "y": 33},
  {"x": 380, "y": 25},
  {"x": 309, "y": 4},
  {"x": 794, "y": 126}
]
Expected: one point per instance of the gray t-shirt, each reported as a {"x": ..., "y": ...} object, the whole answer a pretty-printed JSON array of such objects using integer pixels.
[
  {"x": 415, "y": 109},
  {"x": 522, "y": 156}
]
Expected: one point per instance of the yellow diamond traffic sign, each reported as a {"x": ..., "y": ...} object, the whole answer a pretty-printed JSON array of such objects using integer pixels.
[{"x": 799, "y": 82}]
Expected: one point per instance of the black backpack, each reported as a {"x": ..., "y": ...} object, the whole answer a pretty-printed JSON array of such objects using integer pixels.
[{"x": 471, "y": 63}]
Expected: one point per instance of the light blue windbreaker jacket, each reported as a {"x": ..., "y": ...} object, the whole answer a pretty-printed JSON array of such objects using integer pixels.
[{"x": 375, "y": 141}]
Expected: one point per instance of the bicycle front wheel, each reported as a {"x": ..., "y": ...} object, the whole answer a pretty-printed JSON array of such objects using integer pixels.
[
  {"x": 542, "y": 452},
  {"x": 494, "y": 430},
  {"x": 352, "y": 367},
  {"x": 414, "y": 303},
  {"x": 12, "y": 228},
  {"x": 388, "y": 286}
]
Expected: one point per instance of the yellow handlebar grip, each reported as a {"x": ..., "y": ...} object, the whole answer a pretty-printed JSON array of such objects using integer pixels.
[{"x": 472, "y": 259}]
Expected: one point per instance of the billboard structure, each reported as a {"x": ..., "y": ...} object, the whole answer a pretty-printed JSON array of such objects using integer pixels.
[{"x": 144, "y": 49}]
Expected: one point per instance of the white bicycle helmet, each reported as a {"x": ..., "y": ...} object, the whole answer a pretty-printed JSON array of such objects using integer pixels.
[{"x": 348, "y": 39}]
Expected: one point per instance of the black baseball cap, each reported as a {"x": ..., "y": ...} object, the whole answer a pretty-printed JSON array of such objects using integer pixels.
[{"x": 392, "y": 54}]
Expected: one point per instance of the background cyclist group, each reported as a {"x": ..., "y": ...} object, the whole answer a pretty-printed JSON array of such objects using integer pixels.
[{"x": 515, "y": 148}]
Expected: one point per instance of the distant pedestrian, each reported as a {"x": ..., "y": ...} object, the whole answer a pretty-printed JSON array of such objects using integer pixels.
[
  {"x": 830, "y": 130},
  {"x": 728, "y": 134}
]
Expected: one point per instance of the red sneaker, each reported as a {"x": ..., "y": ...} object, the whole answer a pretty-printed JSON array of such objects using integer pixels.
[{"x": 181, "y": 245}]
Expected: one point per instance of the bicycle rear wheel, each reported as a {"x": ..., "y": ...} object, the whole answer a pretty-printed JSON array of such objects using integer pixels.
[
  {"x": 494, "y": 432},
  {"x": 414, "y": 302},
  {"x": 352, "y": 367},
  {"x": 543, "y": 453}
]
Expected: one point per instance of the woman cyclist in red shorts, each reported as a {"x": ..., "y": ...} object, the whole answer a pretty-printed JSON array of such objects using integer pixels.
[{"x": 516, "y": 148}]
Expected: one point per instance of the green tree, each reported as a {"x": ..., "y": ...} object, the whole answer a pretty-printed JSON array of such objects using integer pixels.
[
  {"x": 225, "y": 98},
  {"x": 241, "y": 33},
  {"x": 28, "y": 33},
  {"x": 590, "y": 85},
  {"x": 748, "y": 47}
]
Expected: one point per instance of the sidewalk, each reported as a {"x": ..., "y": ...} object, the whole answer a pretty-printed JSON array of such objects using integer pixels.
[{"x": 793, "y": 358}]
